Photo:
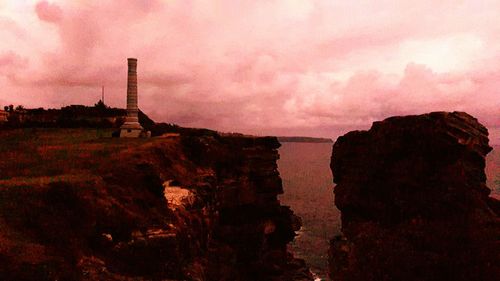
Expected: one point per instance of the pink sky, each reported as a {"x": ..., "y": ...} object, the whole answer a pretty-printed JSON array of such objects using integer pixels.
[{"x": 291, "y": 67}]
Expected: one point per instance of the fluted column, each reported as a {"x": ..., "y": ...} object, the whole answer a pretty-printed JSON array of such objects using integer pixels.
[
  {"x": 132, "y": 107},
  {"x": 131, "y": 127}
]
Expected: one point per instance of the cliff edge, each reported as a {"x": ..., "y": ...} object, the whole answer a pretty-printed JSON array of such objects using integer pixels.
[
  {"x": 414, "y": 203},
  {"x": 77, "y": 206}
]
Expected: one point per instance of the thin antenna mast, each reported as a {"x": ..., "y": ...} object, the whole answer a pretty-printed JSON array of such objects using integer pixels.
[{"x": 102, "y": 99}]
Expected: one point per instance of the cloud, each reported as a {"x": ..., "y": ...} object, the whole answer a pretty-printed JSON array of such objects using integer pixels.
[
  {"x": 48, "y": 12},
  {"x": 269, "y": 67}
]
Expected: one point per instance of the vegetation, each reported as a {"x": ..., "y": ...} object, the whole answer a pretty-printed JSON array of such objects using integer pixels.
[
  {"x": 97, "y": 116},
  {"x": 47, "y": 153}
]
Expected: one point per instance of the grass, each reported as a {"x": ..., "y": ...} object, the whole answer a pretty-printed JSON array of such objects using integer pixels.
[{"x": 28, "y": 155}]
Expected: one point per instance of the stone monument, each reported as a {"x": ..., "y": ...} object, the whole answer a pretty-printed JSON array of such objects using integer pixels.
[{"x": 131, "y": 128}]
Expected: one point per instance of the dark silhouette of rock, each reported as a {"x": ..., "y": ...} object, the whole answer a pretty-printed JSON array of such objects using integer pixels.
[{"x": 414, "y": 203}]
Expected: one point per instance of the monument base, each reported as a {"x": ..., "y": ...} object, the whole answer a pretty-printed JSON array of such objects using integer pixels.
[
  {"x": 130, "y": 133},
  {"x": 131, "y": 130}
]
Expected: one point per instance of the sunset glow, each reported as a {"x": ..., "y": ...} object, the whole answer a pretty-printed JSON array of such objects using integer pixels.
[{"x": 317, "y": 67}]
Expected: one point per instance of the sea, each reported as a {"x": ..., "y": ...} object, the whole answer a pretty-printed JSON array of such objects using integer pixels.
[{"x": 308, "y": 190}]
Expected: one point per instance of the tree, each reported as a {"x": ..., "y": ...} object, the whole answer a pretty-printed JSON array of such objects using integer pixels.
[{"x": 100, "y": 105}]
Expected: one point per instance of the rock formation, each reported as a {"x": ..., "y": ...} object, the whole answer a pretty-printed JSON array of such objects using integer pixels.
[
  {"x": 414, "y": 203},
  {"x": 176, "y": 208}
]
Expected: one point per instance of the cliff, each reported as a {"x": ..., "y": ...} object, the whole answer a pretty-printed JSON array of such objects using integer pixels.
[
  {"x": 414, "y": 203},
  {"x": 74, "y": 206}
]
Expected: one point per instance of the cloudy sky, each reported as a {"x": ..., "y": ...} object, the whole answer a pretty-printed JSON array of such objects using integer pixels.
[{"x": 289, "y": 67}]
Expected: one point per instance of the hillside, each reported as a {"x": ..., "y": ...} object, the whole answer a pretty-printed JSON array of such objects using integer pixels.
[{"x": 76, "y": 204}]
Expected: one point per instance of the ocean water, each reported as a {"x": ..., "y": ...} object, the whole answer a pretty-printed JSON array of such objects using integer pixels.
[
  {"x": 493, "y": 171},
  {"x": 307, "y": 182},
  {"x": 308, "y": 186}
]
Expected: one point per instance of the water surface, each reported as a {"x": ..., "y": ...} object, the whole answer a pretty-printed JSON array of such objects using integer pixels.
[{"x": 308, "y": 186}]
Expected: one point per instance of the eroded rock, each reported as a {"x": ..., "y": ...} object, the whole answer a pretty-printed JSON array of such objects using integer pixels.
[{"x": 414, "y": 203}]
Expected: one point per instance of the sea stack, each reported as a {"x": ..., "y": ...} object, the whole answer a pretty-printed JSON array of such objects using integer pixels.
[
  {"x": 131, "y": 128},
  {"x": 414, "y": 202}
]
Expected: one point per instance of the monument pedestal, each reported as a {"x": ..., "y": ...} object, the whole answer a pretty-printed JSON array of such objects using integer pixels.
[{"x": 131, "y": 130}]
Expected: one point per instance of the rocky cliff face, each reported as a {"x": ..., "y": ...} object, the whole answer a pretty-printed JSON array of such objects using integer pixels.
[
  {"x": 178, "y": 208},
  {"x": 414, "y": 202}
]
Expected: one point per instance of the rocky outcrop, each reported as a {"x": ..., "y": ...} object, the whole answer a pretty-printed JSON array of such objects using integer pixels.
[
  {"x": 414, "y": 203},
  {"x": 174, "y": 208},
  {"x": 250, "y": 239}
]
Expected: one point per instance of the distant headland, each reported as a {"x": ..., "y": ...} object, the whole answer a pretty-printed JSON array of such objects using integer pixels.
[{"x": 305, "y": 139}]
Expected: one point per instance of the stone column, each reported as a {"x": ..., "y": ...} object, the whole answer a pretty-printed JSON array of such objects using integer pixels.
[
  {"x": 132, "y": 108},
  {"x": 131, "y": 127}
]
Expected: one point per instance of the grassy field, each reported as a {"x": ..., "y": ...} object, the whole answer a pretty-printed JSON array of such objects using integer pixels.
[
  {"x": 62, "y": 189},
  {"x": 28, "y": 155}
]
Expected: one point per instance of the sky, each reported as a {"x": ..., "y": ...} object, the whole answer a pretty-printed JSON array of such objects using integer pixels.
[{"x": 291, "y": 67}]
